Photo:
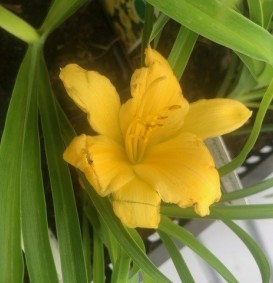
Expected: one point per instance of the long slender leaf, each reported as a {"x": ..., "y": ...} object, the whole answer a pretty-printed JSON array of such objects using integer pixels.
[
  {"x": 103, "y": 232},
  {"x": 247, "y": 130},
  {"x": 121, "y": 268},
  {"x": 238, "y": 160},
  {"x": 253, "y": 247},
  {"x": 245, "y": 83},
  {"x": 181, "y": 234},
  {"x": 11, "y": 264},
  {"x": 40, "y": 263},
  {"x": 158, "y": 26},
  {"x": 261, "y": 72},
  {"x": 181, "y": 50},
  {"x": 179, "y": 262},
  {"x": 267, "y": 13},
  {"x": 17, "y": 26},
  {"x": 148, "y": 26},
  {"x": 122, "y": 236},
  {"x": 248, "y": 191},
  {"x": 86, "y": 243},
  {"x": 256, "y": 11},
  {"x": 98, "y": 260},
  {"x": 254, "y": 211},
  {"x": 67, "y": 222},
  {"x": 222, "y": 24},
  {"x": 59, "y": 11}
]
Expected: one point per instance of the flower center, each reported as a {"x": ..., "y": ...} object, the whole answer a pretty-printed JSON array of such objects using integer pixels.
[
  {"x": 137, "y": 137},
  {"x": 140, "y": 130}
]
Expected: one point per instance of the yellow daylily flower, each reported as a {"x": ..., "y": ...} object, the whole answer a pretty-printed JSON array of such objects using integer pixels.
[{"x": 151, "y": 147}]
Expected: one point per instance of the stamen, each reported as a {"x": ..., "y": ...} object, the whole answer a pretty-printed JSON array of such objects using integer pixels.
[
  {"x": 174, "y": 107},
  {"x": 162, "y": 117},
  {"x": 137, "y": 137}
]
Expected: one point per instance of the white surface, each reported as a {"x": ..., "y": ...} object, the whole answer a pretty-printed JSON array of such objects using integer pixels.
[{"x": 229, "y": 249}]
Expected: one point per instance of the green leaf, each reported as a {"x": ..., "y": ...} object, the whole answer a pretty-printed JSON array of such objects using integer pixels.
[
  {"x": 254, "y": 211},
  {"x": 39, "y": 259},
  {"x": 248, "y": 191},
  {"x": 98, "y": 259},
  {"x": 238, "y": 160},
  {"x": 67, "y": 222},
  {"x": 181, "y": 234},
  {"x": 179, "y": 262},
  {"x": 17, "y": 26},
  {"x": 267, "y": 13},
  {"x": 261, "y": 72},
  {"x": 121, "y": 268},
  {"x": 11, "y": 263},
  {"x": 86, "y": 243},
  {"x": 253, "y": 247},
  {"x": 59, "y": 11},
  {"x": 218, "y": 22},
  {"x": 182, "y": 50},
  {"x": 102, "y": 232},
  {"x": 158, "y": 26},
  {"x": 147, "y": 29},
  {"x": 256, "y": 11},
  {"x": 125, "y": 240}
]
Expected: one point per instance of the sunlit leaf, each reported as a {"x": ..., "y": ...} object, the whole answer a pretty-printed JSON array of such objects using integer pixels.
[
  {"x": 39, "y": 259},
  {"x": 17, "y": 26},
  {"x": 177, "y": 258},
  {"x": 59, "y": 11},
  {"x": 248, "y": 191},
  {"x": 67, "y": 222},
  {"x": 222, "y": 24},
  {"x": 98, "y": 260},
  {"x": 253, "y": 247},
  {"x": 181, "y": 234},
  {"x": 181, "y": 50},
  {"x": 238, "y": 160},
  {"x": 11, "y": 264}
]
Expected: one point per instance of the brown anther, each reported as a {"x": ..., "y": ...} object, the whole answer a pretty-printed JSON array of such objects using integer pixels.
[
  {"x": 150, "y": 126},
  {"x": 174, "y": 107},
  {"x": 162, "y": 117}
]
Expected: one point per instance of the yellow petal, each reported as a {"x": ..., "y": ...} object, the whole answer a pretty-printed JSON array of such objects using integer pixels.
[
  {"x": 152, "y": 56},
  {"x": 96, "y": 96},
  {"x": 137, "y": 205},
  {"x": 215, "y": 117},
  {"x": 157, "y": 109},
  {"x": 183, "y": 172},
  {"x": 156, "y": 90},
  {"x": 102, "y": 160}
]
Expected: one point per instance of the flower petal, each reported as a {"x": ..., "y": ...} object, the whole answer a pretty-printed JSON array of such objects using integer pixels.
[
  {"x": 215, "y": 117},
  {"x": 137, "y": 205},
  {"x": 183, "y": 172},
  {"x": 157, "y": 103},
  {"x": 102, "y": 160},
  {"x": 96, "y": 96}
]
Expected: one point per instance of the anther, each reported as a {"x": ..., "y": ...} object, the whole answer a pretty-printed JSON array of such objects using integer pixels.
[
  {"x": 174, "y": 107},
  {"x": 162, "y": 117}
]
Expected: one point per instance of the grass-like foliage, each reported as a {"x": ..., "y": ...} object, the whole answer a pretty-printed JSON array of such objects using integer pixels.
[{"x": 84, "y": 242}]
